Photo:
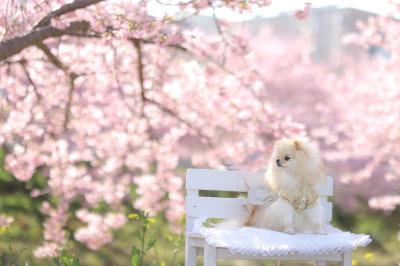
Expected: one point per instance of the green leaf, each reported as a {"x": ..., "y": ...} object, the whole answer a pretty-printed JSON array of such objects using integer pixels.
[
  {"x": 56, "y": 262},
  {"x": 66, "y": 260},
  {"x": 150, "y": 244},
  {"x": 135, "y": 256}
]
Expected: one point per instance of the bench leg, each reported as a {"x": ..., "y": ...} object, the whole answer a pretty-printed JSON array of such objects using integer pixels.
[
  {"x": 190, "y": 253},
  {"x": 210, "y": 255},
  {"x": 346, "y": 259},
  {"x": 320, "y": 263}
]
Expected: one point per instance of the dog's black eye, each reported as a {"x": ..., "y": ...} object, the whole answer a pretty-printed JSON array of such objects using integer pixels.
[{"x": 287, "y": 158}]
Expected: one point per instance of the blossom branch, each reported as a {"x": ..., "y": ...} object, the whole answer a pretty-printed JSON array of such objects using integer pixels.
[
  {"x": 138, "y": 47},
  {"x": 53, "y": 58},
  {"x": 175, "y": 4},
  {"x": 71, "y": 79},
  {"x": 172, "y": 113},
  {"x": 222, "y": 35},
  {"x": 137, "y": 44},
  {"x": 14, "y": 46},
  {"x": 67, "y": 8},
  {"x": 72, "y": 76},
  {"x": 28, "y": 76}
]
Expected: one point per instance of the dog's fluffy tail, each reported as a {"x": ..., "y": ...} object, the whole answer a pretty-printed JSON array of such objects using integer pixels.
[{"x": 248, "y": 219}]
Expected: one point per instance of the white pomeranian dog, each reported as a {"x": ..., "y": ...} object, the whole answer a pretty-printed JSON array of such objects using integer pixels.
[{"x": 294, "y": 171}]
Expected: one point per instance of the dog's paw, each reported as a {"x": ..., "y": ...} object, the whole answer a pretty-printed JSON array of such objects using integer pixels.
[
  {"x": 289, "y": 231},
  {"x": 320, "y": 231}
]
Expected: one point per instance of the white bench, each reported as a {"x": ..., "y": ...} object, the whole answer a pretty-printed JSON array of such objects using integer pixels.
[{"x": 217, "y": 207}]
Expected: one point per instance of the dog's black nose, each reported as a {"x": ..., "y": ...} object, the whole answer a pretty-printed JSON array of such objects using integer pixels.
[{"x": 278, "y": 162}]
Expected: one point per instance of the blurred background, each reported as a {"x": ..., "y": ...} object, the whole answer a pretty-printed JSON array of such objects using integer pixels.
[{"x": 105, "y": 104}]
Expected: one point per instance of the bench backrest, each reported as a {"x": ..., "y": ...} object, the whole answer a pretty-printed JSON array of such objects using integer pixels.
[{"x": 235, "y": 181}]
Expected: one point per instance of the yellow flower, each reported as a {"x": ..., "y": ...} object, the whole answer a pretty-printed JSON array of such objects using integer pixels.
[
  {"x": 168, "y": 237},
  {"x": 354, "y": 263},
  {"x": 151, "y": 220},
  {"x": 182, "y": 220},
  {"x": 3, "y": 229},
  {"x": 133, "y": 216},
  {"x": 369, "y": 255}
]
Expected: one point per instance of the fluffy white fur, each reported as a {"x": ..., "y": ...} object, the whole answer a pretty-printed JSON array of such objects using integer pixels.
[{"x": 299, "y": 165}]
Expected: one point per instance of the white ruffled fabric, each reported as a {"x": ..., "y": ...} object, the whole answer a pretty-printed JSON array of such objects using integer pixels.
[{"x": 263, "y": 242}]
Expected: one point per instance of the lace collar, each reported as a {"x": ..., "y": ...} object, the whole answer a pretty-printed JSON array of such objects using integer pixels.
[{"x": 301, "y": 199}]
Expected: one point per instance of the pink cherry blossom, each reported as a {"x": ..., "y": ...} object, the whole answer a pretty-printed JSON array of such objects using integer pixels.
[
  {"x": 387, "y": 203},
  {"x": 6, "y": 220},
  {"x": 98, "y": 230},
  {"x": 303, "y": 13},
  {"x": 48, "y": 249}
]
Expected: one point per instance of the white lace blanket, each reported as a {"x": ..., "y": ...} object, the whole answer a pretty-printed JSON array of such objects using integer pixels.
[{"x": 255, "y": 241}]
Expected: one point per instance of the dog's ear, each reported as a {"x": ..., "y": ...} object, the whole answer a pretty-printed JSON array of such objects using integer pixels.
[{"x": 298, "y": 144}]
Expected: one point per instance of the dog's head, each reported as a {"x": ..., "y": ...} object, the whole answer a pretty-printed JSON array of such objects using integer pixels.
[{"x": 298, "y": 158}]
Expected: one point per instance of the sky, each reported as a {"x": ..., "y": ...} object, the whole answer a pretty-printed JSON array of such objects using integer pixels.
[{"x": 279, "y": 6}]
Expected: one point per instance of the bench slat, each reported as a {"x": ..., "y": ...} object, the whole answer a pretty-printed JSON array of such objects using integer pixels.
[
  {"x": 239, "y": 181},
  {"x": 207, "y": 179},
  {"x": 214, "y": 207}
]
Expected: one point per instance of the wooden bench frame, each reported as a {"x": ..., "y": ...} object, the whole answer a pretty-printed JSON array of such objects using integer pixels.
[{"x": 216, "y": 207}]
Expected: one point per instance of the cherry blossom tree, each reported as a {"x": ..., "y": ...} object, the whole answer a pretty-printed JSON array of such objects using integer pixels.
[
  {"x": 99, "y": 95},
  {"x": 351, "y": 108},
  {"x": 368, "y": 93}
]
